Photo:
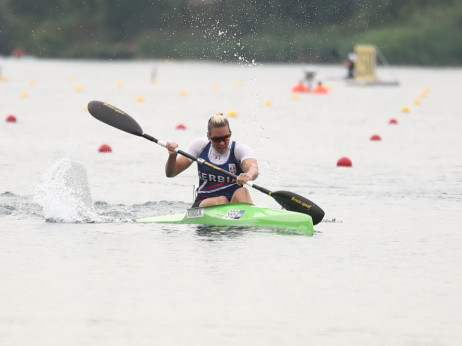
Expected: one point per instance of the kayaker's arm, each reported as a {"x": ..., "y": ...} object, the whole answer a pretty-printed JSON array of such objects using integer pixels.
[
  {"x": 250, "y": 167},
  {"x": 175, "y": 165}
]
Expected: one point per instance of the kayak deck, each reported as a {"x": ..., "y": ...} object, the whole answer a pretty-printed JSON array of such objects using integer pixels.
[{"x": 239, "y": 214}]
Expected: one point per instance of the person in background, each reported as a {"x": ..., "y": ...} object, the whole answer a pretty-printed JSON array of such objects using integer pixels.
[
  {"x": 350, "y": 65},
  {"x": 214, "y": 186},
  {"x": 309, "y": 76}
]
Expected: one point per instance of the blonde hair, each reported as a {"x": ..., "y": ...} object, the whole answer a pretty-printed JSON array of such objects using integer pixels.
[{"x": 217, "y": 120}]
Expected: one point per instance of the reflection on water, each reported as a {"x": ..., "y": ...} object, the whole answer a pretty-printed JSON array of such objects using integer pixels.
[
  {"x": 224, "y": 233},
  {"x": 219, "y": 233}
]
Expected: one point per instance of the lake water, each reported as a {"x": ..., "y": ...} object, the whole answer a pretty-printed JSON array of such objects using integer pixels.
[{"x": 383, "y": 268}]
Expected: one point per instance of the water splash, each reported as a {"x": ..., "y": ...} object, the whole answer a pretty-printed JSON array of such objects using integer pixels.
[{"x": 64, "y": 193}]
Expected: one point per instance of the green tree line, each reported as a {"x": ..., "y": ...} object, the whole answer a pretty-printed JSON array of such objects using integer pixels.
[{"x": 407, "y": 31}]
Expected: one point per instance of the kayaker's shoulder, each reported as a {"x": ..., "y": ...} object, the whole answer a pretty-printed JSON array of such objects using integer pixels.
[
  {"x": 197, "y": 145},
  {"x": 243, "y": 151}
]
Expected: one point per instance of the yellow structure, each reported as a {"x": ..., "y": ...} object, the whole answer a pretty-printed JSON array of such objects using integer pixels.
[
  {"x": 366, "y": 56},
  {"x": 365, "y": 65}
]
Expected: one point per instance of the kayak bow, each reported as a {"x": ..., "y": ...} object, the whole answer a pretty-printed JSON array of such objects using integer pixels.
[{"x": 239, "y": 214}]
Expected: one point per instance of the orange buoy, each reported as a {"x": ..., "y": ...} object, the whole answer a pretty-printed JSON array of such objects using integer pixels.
[
  {"x": 180, "y": 127},
  {"x": 300, "y": 88},
  {"x": 393, "y": 121},
  {"x": 320, "y": 89},
  {"x": 344, "y": 162},
  {"x": 11, "y": 118},
  {"x": 104, "y": 148},
  {"x": 376, "y": 138}
]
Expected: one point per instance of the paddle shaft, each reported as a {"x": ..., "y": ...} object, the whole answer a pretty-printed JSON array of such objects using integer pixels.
[{"x": 205, "y": 163}]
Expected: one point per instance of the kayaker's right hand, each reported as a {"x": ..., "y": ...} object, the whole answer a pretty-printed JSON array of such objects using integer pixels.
[{"x": 171, "y": 146}]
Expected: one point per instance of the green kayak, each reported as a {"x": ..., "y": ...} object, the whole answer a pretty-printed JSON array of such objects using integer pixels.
[{"x": 239, "y": 214}]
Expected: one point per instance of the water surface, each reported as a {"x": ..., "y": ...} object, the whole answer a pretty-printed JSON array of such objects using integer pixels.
[{"x": 383, "y": 268}]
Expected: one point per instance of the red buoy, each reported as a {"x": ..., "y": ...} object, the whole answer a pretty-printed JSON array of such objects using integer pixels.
[
  {"x": 376, "y": 138},
  {"x": 11, "y": 118},
  {"x": 344, "y": 162},
  {"x": 104, "y": 148},
  {"x": 393, "y": 121},
  {"x": 180, "y": 127},
  {"x": 19, "y": 52}
]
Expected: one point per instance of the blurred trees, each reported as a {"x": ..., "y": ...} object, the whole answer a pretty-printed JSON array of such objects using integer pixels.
[{"x": 272, "y": 30}]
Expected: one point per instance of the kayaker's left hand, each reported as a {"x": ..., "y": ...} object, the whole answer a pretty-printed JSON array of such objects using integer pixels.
[{"x": 243, "y": 178}]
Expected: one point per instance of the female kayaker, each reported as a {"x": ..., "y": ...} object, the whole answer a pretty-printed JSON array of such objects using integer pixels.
[{"x": 214, "y": 186}]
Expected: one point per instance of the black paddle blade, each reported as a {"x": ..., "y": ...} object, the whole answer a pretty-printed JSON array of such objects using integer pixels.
[
  {"x": 115, "y": 117},
  {"x": 293, "y": 202}
]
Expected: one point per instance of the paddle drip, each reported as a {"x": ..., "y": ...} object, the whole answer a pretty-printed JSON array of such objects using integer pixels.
[{"x": 64, "y": 193}]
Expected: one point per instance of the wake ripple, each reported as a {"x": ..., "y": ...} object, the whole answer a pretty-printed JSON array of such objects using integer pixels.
[{"x": 26, "y": 207}]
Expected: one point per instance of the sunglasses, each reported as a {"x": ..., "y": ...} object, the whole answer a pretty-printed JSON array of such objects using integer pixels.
[{"x": 222, "y": 138}]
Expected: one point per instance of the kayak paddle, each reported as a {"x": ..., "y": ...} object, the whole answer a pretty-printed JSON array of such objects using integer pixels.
[{"x": 119, "y": 119}]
